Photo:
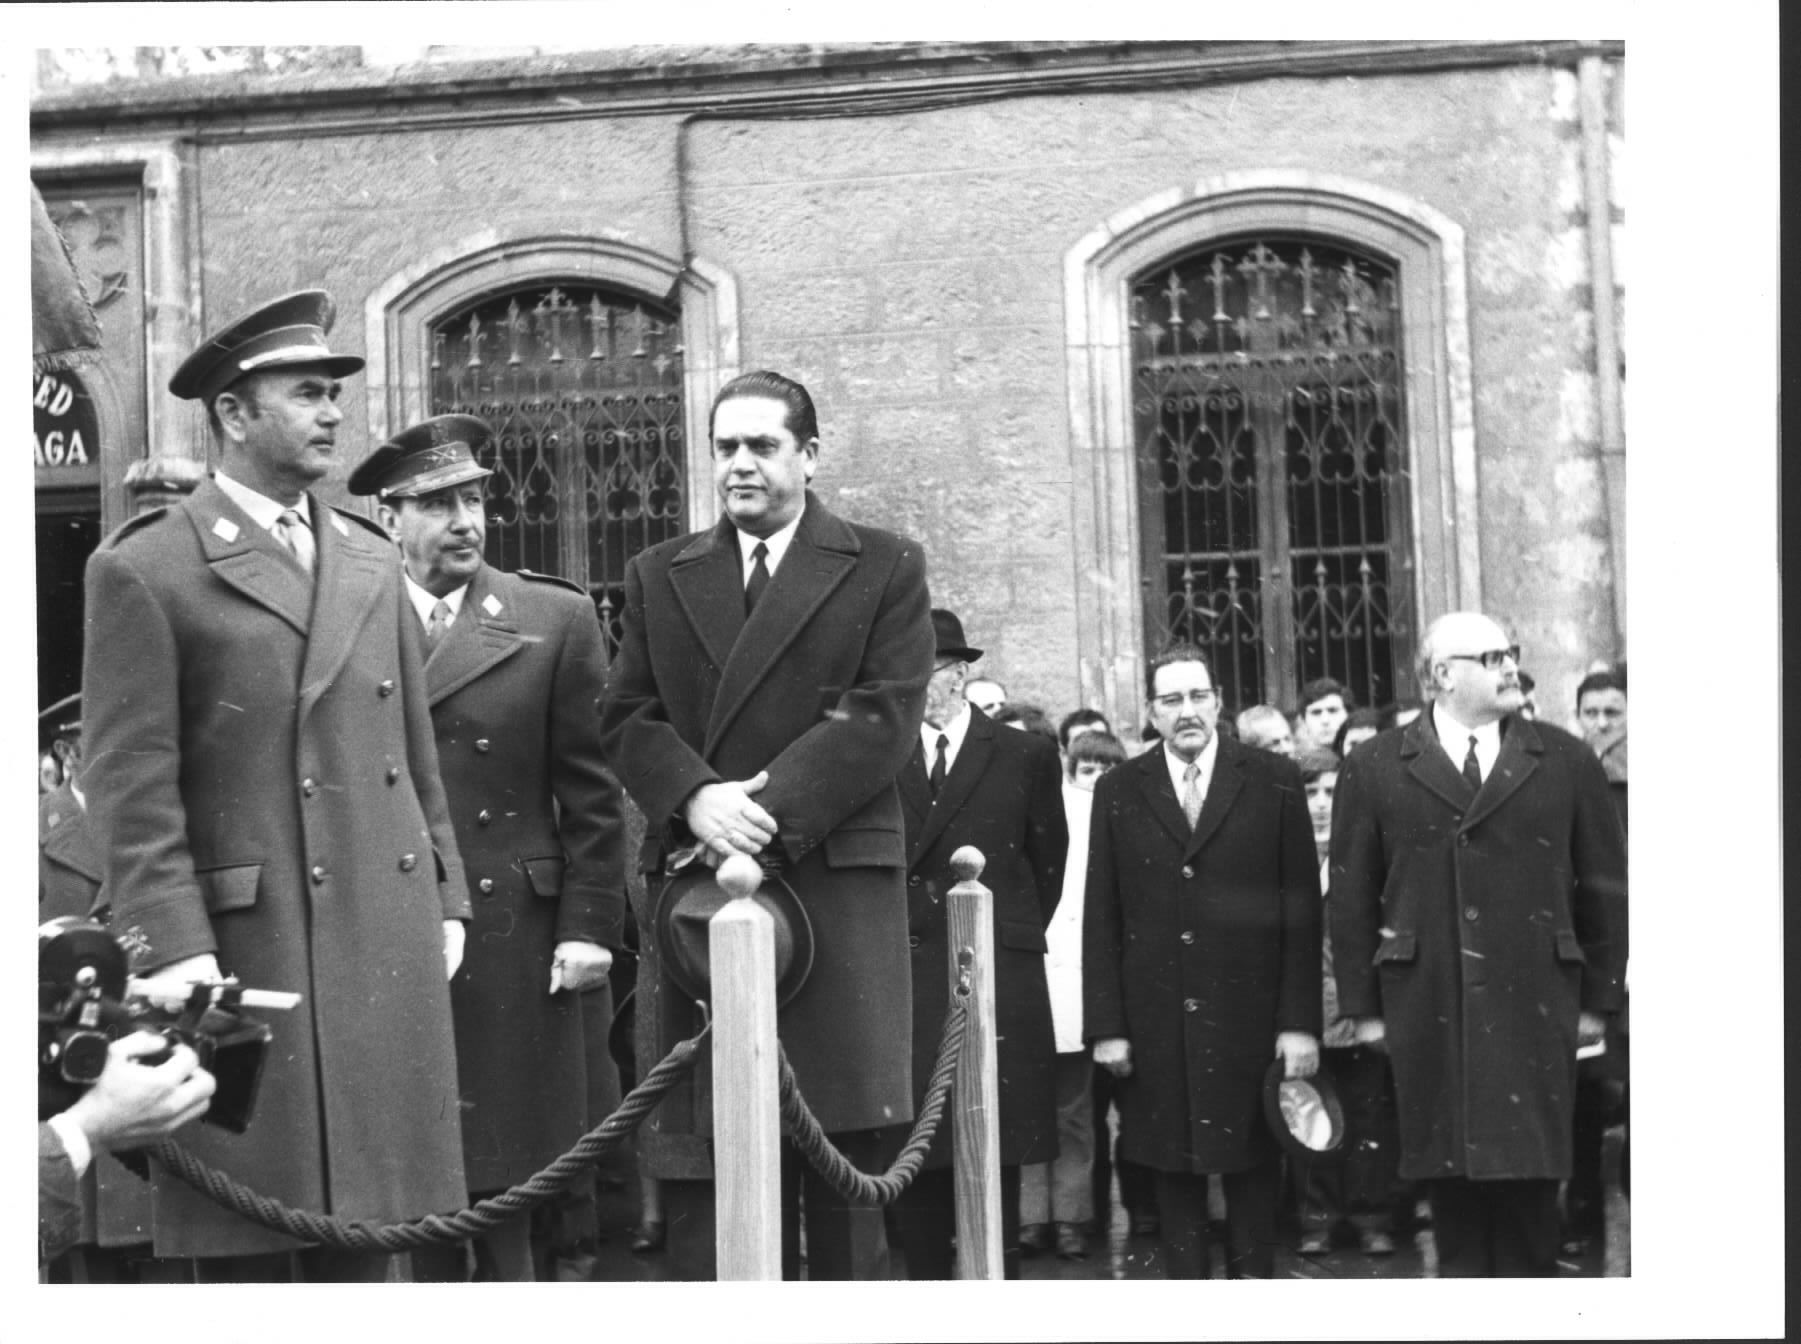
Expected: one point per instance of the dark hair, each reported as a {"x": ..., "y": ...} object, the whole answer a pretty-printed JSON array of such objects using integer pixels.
[
  {"x": 1321, "y": 688},
  {"x": 1103, "y": 747},
  {"x": 1029, "y": 717},
  {"x": 1175, "y": 653},
  {"x": 1075, "y": 719},
  {"x": 1357, "y": 718},
  {"x": 1314, "y": 762},
  {"x": 801, "y": 419},
  {"x": 1605, "y": 680}
]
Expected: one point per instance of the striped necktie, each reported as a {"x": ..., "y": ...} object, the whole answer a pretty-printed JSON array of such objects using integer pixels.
[{"x": 297, "y": 537}]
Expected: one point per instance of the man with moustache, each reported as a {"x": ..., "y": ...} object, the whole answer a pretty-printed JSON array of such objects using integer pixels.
[
  {"x": 1200, "y": 962},
  {"x": 515, "y": 667},
  {"x": 263, "y": 785},
  {"x": 768, "y": 689},
  {"x": 1479, "y": 925}
]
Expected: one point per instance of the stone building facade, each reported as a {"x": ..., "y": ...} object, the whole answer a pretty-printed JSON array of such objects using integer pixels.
[{"x": 1283, "y": 346}]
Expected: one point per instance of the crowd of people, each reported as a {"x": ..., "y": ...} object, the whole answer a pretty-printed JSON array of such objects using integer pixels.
[{"x": 347, "y": 757}]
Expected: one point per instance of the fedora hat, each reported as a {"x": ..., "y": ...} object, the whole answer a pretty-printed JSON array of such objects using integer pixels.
[
  {"x": 1304, "y": 1114},
  {"x": 431, "y": 455},
  {"x": 687, "y": 905},
  {"x": 947, "y": 630},
  {"x": 286, "y": 331}
]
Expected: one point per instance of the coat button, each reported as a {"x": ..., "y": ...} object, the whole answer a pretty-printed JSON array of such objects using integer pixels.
[
  {"x": 1187, "y": 871},
  {"x": 1463, "y": 842},
  {"x": 484, "y": 816},
  {"x": 1469, "y": 913},
  {"x": 385, "y": 689},
  {"x": 486, "y": 886},
  {"x": 915, "y": 880},
  {"x": 318, "y": 876},
  {"x": 1188, "y": 935},
  {"x": 393, "y": 773},
  {"x": 912, "y": 940},
  {"x": 408, "y": 862},
  {"x": 308, "y": 787},
  {"x": 1191, "y": 1005},
  {"x": 481, "y": 745}
]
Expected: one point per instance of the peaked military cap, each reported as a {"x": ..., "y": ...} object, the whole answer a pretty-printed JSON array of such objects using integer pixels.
[
  {"x": 285, "y": 331},
  {"x": 428, "y": 456}
]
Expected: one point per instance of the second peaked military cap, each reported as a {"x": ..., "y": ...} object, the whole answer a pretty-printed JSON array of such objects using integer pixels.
[
  {"x": 286, "y": 331},
  {"x": 431, "y": 455}
]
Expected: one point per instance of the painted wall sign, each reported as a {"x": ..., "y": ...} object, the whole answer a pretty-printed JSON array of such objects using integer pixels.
[{"x": 68, "y": 431}]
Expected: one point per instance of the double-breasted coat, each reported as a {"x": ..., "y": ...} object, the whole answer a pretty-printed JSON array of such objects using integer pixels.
[
  {"x": 263, "y": 783},
  {"x": 1003, "y": 795},
  {"x": 823, "y": 686},
  {"x": 1199, "y": 949},
  {"x": 514, "y": 687},
  {"x": 1478, "y": 925}
]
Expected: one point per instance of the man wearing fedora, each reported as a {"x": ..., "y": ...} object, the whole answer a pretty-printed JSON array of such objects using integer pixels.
[
  {"x": 514, "y": 669},
  {"x": 768, "y": 688},
  {"x": 264, "y": 787},
  {"x": 1200, "y": 962},
  {"x": 1479, "y": 936},
  {"x": 971, "y": 783}
]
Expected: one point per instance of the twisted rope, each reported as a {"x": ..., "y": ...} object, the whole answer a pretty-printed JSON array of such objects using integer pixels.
[{"x": 437, "y": 1228}]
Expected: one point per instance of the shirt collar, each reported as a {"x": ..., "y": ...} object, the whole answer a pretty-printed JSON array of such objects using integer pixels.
[
  {"x": 1454, "y": 733},
  {"x": 423, "y": 601},
  {"x": 776, "y": 542},
  {"x": 263, "y": 511},
  {"x": 956, "y": 730},
  {"x": 1178, "y": 768}
]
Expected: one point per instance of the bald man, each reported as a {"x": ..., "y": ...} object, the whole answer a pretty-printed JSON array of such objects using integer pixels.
[{"x": 1478, "y": 912}]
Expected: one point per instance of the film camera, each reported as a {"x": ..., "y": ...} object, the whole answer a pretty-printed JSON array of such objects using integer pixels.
[{"x": 87, "y": 999}]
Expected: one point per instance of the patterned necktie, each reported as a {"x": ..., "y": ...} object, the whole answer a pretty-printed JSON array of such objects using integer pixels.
[
  {"x": 297, "y": 537},
  {"x": 941, "y": 765},
  {"x": 439, "y": 623},
  {"x": 1472, "y": 768},
  {"x": 759, "y": 578},
  {"x": 1191, "y": 793}
]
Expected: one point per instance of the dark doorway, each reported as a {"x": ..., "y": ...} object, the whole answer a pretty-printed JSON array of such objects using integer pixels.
[{"x": 68, "y": 530}]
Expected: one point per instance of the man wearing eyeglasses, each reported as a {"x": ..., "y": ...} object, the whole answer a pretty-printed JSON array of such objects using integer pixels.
[
  {"x": 1479, "y": 922},
  {"x": 1200, "y": 962}
]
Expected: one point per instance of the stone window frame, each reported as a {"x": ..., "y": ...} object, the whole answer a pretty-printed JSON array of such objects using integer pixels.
[
  {"x": 1428, "y": 248},
  {"x": 400, "y": 310}
]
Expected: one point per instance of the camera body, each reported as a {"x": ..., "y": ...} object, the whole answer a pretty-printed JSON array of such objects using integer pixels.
[{"x": 86, "y": 1001}]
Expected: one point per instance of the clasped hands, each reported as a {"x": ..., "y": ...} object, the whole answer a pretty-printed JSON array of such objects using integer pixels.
[
  {"x": 726, "y": 820},
  {"x": 1298, "y": 1050}
]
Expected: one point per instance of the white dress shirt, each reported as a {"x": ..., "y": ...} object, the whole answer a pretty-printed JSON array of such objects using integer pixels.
[
  {"x": 776, "y": 542},
  {"x": 264, "y": 512},
  {"x": 1178, "y": 768},
  {"x": 423, "y": 602},
  {"x": 956, "y": 730},
  {"x": 1454, "y": 737}
]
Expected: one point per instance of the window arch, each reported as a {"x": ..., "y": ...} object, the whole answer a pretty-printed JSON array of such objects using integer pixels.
[
  {"x": 595, "y": 362},
  {"x": 1272, "y": 435}
]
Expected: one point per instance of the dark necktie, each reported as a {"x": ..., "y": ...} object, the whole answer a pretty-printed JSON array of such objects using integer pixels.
[
  {"x": 941, "y": 765},
  {"x": 1472, "y": 769},
  {"x": 759, "y": 578},
  {"x": 436, "y": 627}
]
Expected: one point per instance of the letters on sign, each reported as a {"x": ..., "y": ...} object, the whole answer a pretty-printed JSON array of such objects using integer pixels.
[{"x": 67, "y": 429}]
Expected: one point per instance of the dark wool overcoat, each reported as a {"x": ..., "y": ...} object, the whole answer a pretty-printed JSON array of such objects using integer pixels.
[
  {"x": 823, "y": 687},
  {"x": 1199, "y": 948},
  {"x": 1003, "y": 795},
  {"x": 1478, "y": 926},
  {"x": 261, "y": 777},
  {"x": 515, "y": 686}
]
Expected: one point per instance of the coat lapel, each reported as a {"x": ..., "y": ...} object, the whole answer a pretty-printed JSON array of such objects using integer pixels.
[
  {"x": 965, "y": 773},
  {"x": 709, "y": 584},
  {"x": 1160, "y": 794},
  {"x": 1427, "y": 762},
  {"x": 354, "y": 568},
  {"x": 485, "y": 634},
  {"x": 1521, "y": 747},
  {"x": 915, "y": 791},
  {"x": 1227, "y": 781},
  {"x": 247, "y": 557},
  {"x": 822, "y": 554}
]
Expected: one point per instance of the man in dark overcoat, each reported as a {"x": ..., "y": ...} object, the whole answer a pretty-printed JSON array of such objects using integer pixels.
[
  {"x": 1200, "y": 962},
  {"x": 971, "y": 783},
  {"x": 264, "y": 785},
  {"x": 514, "y": 671},
  {"x": 767, "y": 690},
  {"x": 1478, "y": 907}
]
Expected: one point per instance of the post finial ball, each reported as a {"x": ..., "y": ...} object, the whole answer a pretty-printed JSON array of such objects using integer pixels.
[
  {"x": 739, "y": 876},
  {"x": 967, "y": 863}
]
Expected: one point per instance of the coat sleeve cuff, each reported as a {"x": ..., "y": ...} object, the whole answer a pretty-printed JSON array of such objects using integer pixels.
[{"x": 591, "y": 915}]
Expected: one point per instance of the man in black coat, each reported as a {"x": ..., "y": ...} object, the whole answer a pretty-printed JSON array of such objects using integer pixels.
[
  {"x": 1200, "y": 962},
  {"x": 969, "y": 782},
  {"x": 515, "y": 667},
  {"x": 1479, "y": 928}
]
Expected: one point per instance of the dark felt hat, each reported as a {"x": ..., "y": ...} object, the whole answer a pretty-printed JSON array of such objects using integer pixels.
[
  {"x": 285, "y": 331},
  {"x": 948, "y": 631},
  {"x": 688, "y": 903},
  {"x": 1304, "y": 1114},
  {"x": 431, "y": 455}
]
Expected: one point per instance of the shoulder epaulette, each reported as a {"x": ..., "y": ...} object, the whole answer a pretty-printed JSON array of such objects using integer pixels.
[
  {"x": 570, "y": 584},
  {"x": 131, "y": 525}
]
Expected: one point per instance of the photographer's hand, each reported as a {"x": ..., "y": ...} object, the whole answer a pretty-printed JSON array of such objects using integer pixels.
[
  {"x": 134, "y": 1103},
  {"x": 187, "y": 971}
]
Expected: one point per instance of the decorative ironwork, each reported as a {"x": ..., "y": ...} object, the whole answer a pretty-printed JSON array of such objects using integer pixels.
[
  {"x": 583, "y": 389},
  {"x": 1272, "y": 466}
]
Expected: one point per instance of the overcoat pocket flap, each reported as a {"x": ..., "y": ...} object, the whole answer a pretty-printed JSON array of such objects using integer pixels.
[
  {"x": 1569, "y": 948},
  {"x": 1022, "y": 937},
  {"x": 1397, "y": 947},
  {"x": 545, "y": 875},
  {"x": 231, "y": 888},
  {"x": 865, "y": 847}
]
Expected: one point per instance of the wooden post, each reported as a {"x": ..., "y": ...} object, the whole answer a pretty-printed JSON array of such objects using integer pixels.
[
  {"x": 976, "y": 1146},
  {"x": 746, "y": 1110}
]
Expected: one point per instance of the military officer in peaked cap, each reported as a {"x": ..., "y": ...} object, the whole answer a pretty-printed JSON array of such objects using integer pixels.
[
  {"x": 514, "y": 670},
  {"x": 263, "y": 784}
]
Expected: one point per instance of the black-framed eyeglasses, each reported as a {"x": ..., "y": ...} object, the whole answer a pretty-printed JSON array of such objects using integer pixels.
[
  {"x": 1491, "y": 658},
  {"x": 1176, "y": 699}
]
